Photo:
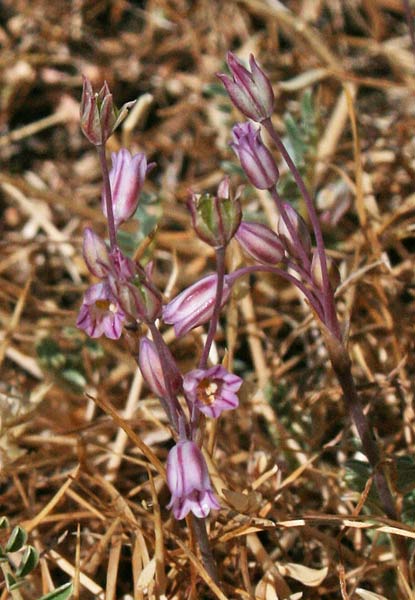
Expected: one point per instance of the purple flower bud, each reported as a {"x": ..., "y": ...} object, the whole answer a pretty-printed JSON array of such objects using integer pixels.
[
  {"x": 250, "y": 91},
  {"x": 141, "y": 301},
  {"x": 300, "y": 228},
  {"x": 260, "y": 242},
  {"x": 99, "y": 116},
  {"x": 216, "y": 218},
  {"x": 100, "y": 313},
  {"x": 126, "y": 179},
  {"x": 194, "y": 306},
  {"x": 188, "y": 481},
  {"x": 95, "y": 253},
  {"x": 316, "y": 273},
  {"x": 152, "y": 371},
  {"x": 212, "y": 390},
  {"x": 256, "y": 160}
]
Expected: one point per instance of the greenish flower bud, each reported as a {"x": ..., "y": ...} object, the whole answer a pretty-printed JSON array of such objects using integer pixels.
[{"x": 216, "y": 218}]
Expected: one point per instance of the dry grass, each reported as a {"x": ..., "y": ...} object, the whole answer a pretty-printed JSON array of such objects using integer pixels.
[{"x": 82, "y": 464}]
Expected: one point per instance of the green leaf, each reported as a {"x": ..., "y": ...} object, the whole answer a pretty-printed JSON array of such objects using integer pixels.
[
  {"x": 29, "y": 561},
  {"x": 4, "y": 523},
  {"x": 61, "y": 593},
  {"x": 11, "y": 582},
  {"x": 16, "y": 540}
]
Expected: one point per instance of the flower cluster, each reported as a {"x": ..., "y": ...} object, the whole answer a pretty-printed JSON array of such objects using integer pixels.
[{"x": 126, "y": 294}]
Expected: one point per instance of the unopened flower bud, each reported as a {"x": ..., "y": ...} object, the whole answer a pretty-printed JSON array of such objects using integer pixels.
[
  {"x": 95, "y": 254},
  {"x": 152, "y": 370},
  {"x": 302, "y": 235},
  {"x": 316, "y": 273},
  {"x": 194, "y": 306},
  {"x": 215, "y": 218},
  {"x": 126, "y": 180},
  {"x": 256, "y": 160},
  {"x": 188, "y": 481},
  {"x": 260, "y": 242},
  {"x": 250, "y": 91},
  {"x": 99, "y": 115}
]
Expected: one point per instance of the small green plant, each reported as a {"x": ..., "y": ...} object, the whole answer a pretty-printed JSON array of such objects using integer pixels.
[{"x": 28, "y": 558}]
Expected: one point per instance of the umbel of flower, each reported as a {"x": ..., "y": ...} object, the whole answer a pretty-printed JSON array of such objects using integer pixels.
[
  {"x": 100, "y": 313},
  {"x": 212, "y": 390},
  {"x": 216, "y": 218},
  {"x": 126, "y": 180},
  {"x": 152, "y": 370},
  {"x": 194, "y": 306},
  {"x": 250, "y": 91},
  {"x": 260, "y": 242},
  {"x": 256, "y": 160},
  {"x": 99, "y": 115},
  {"x": 188, "y": 481}
]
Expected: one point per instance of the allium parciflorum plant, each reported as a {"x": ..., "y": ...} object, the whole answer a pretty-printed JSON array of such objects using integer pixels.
[{"x": 125, "y": 294}]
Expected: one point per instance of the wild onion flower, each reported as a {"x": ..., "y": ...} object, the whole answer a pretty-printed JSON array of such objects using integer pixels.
[
  {"x": 100, "y": 313},
  {"x": 188, "y": 481},
  {"x": 126, "y": 179},
  {"x": 250, "y": 91},
  {"x": 256, "y": 160},
  {"x": 194, "y": 306},
  {"x": 152, "y": 370},
  {"x": 260, "y": 242},
  {"x": 212, "y": 390},
  {"x": 96, "y": 255}
]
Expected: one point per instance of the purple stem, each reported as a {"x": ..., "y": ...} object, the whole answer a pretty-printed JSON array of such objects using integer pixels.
[
  {"x": 293, "y": 233},
  {"x": 220, "y": 269},
  {"x": 112, "y": 232},
  {"x": 315, "y": 303},
  {"x": 199, "y": 528},
  {"x": 330, "y": 317}
]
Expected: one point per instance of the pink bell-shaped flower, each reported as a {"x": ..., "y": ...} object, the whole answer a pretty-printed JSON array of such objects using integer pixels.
[
  {"x": 188, "y": 481},
  {"x": 126, "y": 179}
]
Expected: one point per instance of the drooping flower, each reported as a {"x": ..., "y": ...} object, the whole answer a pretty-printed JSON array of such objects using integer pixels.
[
  {"x": 126, "y": 179},
  {"x": 99, "y": 115},
  {"x": 194, "y": 306},
  {"x": 216, "y": 218},
  {"x": 260, "y": 242},
  {"x": 212, "y": 390},
  {"x": 188, "y": 481},
  {"x": 100, "y": 313},
  {"x": 256, "y": 160},
  {"x": 250, "y": 91},
  {"x": 152, "y": 370}
]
